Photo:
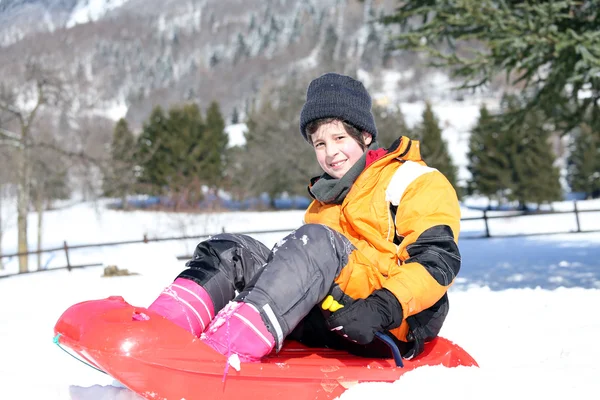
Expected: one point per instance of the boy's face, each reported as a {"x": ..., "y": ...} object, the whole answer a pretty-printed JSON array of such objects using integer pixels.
[{"x": 335, "y": 149}]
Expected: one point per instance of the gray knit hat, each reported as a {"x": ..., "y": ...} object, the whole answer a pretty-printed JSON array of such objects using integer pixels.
[{"x": 338, "y": 96}]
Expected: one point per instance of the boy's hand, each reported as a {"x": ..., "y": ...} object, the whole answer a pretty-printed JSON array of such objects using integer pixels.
[{"x": 360, "y": 320}]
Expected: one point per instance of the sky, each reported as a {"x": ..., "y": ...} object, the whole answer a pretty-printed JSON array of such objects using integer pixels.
[{"x": 523, "y": 307}]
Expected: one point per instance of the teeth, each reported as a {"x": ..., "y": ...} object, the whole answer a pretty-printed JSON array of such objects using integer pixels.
[{"x": 337, "y": 163}]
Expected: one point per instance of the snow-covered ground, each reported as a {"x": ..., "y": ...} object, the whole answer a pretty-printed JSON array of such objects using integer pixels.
[{"x": 523, "y": 306}]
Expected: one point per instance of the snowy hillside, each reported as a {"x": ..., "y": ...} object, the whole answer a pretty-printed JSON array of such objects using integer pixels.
[{"x": 140, "y": 53}]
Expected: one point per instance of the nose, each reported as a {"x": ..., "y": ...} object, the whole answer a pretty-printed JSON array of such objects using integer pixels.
[{"x": 331, "y": 150}]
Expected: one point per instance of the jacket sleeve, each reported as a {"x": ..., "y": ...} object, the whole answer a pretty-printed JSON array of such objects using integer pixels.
[{"x": 428, "y": 223}]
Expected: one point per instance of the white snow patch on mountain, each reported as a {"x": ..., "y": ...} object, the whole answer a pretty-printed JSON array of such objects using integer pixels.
[{"x": 92, "y": 10}]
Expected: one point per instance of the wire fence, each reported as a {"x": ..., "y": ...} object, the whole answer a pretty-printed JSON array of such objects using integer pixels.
[{"x": 486, "y": 234}]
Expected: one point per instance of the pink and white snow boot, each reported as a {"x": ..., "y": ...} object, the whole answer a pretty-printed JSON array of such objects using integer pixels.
[
  {"x": 186, "y": 304},
  {"x": 239, "y": 329}
]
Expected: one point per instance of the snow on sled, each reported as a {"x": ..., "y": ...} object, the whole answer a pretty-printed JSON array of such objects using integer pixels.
[{"x": 158, "y": 360}]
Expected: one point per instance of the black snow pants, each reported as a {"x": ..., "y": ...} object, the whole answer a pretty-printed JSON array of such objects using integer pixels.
[{"x": 286, "y": 284}]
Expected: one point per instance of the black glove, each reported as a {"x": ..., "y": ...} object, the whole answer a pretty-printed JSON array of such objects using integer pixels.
[{"x": 362, "y": 319}]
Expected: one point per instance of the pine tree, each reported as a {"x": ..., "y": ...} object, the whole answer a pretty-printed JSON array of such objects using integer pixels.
[
  {"x": 153, "y": 153},
  {"x": 550, "y": 48},
  {"x": 121, "y": 174},
  {"x": 276, "y": 159},
  {"x": 489, "y": 158},
  {"x": 390, "y": 124},
  {"x": 241, "y": 49},
  {"x": 327, "y": 51},
  {"x": 180, "y": 155},
  {"x": 583, "y": 172},
  {"x": 535, "y": 178},
  {"x": 214, "y": 144},
  {"x": 235, "y": 116},
  {"x": 434, "y": 149}
]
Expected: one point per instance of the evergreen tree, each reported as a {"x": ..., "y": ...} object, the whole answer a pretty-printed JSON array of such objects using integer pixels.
[
  {"x": 583, "y": 172},
  {"x": 372, "y": 55},
  {"x": 120, "y": 176},
  {"x": 535, "y": 178},
  {"x": 276, "y": 159},
  {"x": 390, "y": 124},
  {"x": 185, "y": 128},
  {"x": 550, "y": 48},
  {"x": 235, "y": 116},
  {"x": 153, "y": 153},
  {"x": 241, "y": 49},
  {"x": 434, "y": 149},
  {"x": 327, "y": 51},
  {"x": 489, "y": 156},
  {"x": 214, "y": 145}
]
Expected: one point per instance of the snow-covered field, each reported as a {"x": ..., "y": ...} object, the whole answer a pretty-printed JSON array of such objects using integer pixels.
[{"x": 523, "y": 307}]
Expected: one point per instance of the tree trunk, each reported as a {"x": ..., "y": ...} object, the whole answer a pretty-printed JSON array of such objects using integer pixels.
[
  {"x": 125, "y": 204},
  {"x": 1, "y": 229},
  {"x": 339, "y": 30},
  {"x": 22, "y": 208},
  {"x": 39, "y": 205}
]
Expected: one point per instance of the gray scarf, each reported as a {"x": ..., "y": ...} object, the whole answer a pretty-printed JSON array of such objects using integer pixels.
[{"x": 330, "y": 190}]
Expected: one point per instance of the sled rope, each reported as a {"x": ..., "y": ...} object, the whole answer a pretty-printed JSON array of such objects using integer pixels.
[
  {"x": 57, "y": 342},
  {"x": 393, "y": 347}
]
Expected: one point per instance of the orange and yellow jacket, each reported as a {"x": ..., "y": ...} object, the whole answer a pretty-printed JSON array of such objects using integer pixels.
[{"x": 414, "y": 255}]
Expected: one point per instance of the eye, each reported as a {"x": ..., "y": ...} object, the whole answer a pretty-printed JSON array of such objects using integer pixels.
[
  {"x": 340, "y": 137},
  {"x": 318, "y": 144}
]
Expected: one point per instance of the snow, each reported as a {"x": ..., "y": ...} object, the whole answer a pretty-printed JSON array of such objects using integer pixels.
[
  {"x": 523, "y": 307},
  {"x": 236, "y": 134},
  {"x": 114, "y": 109},
  {"x": 92, "y": 10}
]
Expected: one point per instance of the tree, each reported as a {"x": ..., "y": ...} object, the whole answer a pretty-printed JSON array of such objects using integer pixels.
[
  {"x": 390, "y": 124},
  {"x": 183, "y": 154},
  {"x": 5, "y": 178},
  {"x": 1, "y": 225},
  {"x": 241, "y": 49},
  {"x": 549, "y": 48},
  {"x": 152, "y": 154},
  {"x": 583, "y": 166},
  {"x": 534, "y": 178},
  {"x": 327, "y": 51},
  {"x": 434, "y": 149},
  {"x": 49, "y": 176},
  {"x": 276, "y": 159},
  {"x": 489, "y": 156},
  {"x": 214, "y": 144},
  {"x": 235, "y": 116},
  {"x": 537, "y": 180},
  {"x": 120, "y": 178},
  {"x": 188, "y": 153},
  {"x": 43, "y": 88}
]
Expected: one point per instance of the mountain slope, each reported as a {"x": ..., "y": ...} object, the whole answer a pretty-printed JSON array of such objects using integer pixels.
[{"x": 139, "y": 53}]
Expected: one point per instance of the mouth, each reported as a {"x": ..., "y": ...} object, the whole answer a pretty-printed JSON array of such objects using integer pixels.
[{"x": 337, "y": 164}]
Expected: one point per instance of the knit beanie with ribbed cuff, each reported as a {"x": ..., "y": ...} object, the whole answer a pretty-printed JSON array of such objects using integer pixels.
[{"x": 338, "y": 96}]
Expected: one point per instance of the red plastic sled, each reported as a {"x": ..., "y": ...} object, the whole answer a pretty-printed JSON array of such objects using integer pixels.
[{"x": 158, "y": 360}]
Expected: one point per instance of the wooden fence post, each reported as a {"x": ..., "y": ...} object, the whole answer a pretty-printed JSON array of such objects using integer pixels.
[
  {"x": 485, "y": 220},
  {"x": 576, "y": 215},
  {"x": 67, "y": 255}
]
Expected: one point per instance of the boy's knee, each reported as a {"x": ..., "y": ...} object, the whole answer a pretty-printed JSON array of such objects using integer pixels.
[
  {"x": 322, "y": 236},
  {"x": 312, "y": 229}
]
